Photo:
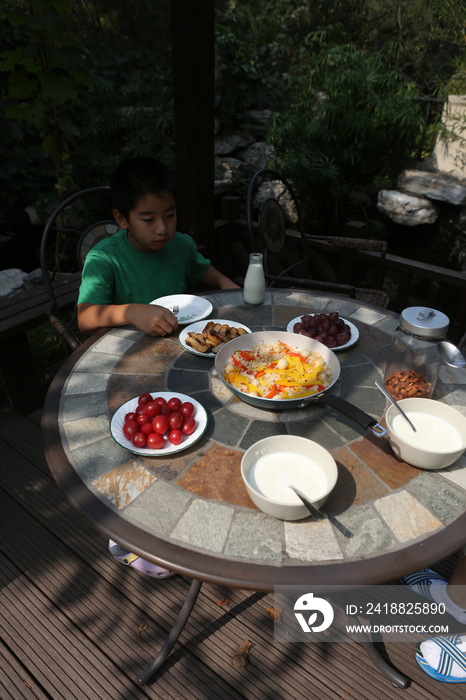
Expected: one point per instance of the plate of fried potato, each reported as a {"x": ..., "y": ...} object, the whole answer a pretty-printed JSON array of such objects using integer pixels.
[{"x": 206, "y": 338}]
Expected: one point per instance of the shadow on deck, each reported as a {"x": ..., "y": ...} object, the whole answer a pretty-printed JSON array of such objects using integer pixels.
[{"x": 75, "y": 624}]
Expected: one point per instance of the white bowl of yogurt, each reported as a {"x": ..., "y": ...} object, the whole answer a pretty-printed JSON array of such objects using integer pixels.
[
  {"x": 275, "y": 463},
  {"x": 440, "y": 437}
]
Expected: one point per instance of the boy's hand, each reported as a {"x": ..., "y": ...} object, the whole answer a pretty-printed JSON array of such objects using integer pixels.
[{"x": 152, "y": 319}]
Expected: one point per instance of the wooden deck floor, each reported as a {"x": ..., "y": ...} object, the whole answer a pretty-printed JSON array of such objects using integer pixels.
[{"x": 76, "y": 625}]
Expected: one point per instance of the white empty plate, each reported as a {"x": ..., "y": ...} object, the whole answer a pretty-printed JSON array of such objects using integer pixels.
[{"x": 191, "y": 307}]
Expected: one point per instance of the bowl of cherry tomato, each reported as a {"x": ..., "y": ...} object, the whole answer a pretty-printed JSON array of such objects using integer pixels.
[{"x": 158, "y": 423}]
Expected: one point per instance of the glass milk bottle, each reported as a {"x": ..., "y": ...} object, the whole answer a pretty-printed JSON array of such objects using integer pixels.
[{"x": 254, "y": 282}]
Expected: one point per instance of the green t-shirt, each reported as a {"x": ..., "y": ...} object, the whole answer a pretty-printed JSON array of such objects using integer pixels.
[{"x": 117, "y": 273}]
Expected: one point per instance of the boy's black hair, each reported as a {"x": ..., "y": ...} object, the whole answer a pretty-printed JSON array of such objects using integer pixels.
[{"x": 137, "y": 177}]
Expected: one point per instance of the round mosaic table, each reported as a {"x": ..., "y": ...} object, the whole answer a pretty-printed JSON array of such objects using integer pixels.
[{"x": 191, "y": 512}]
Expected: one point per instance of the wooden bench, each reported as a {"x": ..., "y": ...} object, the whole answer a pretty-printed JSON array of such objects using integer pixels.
[{"x": 19, "y": 314}]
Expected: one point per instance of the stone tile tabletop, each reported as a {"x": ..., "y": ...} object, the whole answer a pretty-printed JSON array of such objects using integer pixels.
[{"x": 197, "y": 499}]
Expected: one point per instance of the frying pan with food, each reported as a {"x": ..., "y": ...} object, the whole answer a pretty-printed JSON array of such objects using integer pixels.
[{"x": 298, "y": 343}]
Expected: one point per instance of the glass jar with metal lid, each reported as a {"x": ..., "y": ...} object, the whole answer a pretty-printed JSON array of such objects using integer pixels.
[{"x": 414, "y": 363}]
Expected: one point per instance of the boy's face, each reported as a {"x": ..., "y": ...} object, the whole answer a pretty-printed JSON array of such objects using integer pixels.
[{"x": 151, "y": 224}]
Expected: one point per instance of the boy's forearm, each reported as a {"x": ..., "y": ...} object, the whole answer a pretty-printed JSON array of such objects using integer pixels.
[
  {"x": 93, "y": 317},
  {"x": 216, "y": 279},
  {"x": 149, "y": 318}
]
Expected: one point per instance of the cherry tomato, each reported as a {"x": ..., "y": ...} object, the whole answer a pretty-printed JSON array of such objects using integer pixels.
[
  {"x": 187, "y": 409},
  {"x": 143, "y": 418},
  {"x": 139, "y": 440},
  {"x": 174, "y": 404},
  {"x": 160, "y": 424},
  {"x": 130, "y": 416},
  {"x": 153, "y": 409},
  {"x": 155, "y": 441},
  {"x": 164, "y": 410},
  {"x": 189, "y": 426},
  {"x": 160, "y": 400},
  {"x": 147, "y": 428},
  {"x": 144, "y": 398},
  {"x": 175, "y": 436},
  {"x": 130, "y": 428},
  {"x": 175, "y": 420}
]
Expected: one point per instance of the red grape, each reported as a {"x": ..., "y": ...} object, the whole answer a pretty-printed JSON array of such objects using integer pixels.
[{"x": 341, "y": 338}]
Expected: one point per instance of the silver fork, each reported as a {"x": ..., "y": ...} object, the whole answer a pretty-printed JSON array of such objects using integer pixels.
[{"x": 175, "y": 310}]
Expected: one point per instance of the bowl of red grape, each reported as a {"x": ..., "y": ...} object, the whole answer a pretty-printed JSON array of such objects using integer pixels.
[{"x": 331, "y": 329}]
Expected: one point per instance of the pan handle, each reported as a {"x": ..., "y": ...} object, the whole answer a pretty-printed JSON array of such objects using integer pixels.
[{"x": 363, "y": 419}]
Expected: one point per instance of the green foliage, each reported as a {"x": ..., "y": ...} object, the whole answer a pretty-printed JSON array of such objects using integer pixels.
[
  {"x": 426, "y": 32},
  {"x": 45, "y": 69},
  {"x": 353, "y": 120},
  {"x": 83, "y": 85}
]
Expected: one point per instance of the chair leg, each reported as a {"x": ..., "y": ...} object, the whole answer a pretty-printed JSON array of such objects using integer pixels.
[{"x": 174, "y": 633}]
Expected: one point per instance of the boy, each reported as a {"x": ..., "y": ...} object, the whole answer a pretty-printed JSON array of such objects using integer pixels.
[{"x": 146, "y": 259}]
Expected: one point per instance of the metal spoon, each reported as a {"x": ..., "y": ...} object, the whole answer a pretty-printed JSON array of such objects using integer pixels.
[
  {"x": 312, "y": 509},
  {"x": 393, "y": 402},
  {"x": 451, "y": 354},
  {"x": 318, "y": 515}
]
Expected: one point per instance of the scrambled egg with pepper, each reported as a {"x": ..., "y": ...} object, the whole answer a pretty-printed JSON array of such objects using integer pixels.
[{"x": 276, "y": 371}]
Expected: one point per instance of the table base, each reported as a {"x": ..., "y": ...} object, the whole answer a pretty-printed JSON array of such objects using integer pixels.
[
  {"x": 175, "y": 632},
  {"x": 390, "y": 672},
  {"x": 398, "y": 679}
]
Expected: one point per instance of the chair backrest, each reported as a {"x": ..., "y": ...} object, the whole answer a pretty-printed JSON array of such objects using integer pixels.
[
  {"x": 82, "y": 238},
  {"x": 268, "y": 235}
]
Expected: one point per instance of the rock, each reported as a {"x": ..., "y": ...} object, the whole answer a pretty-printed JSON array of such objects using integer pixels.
[
  {"x": 405, "y": 209},
  {"x": 33, "y": 279},
  {"x": 428, "y": 164},
  {"x": 450, "y": 149},
  {"x": 432, "y": 185},
  {"x": 11, "y": 282},
  {"x": 228, "y": 144},
  {"x": 236, "y": 165},
  {"x": 223, "y": 187},
  {"x": 260, "y": 116},
  {"x": 258, "y": 155},
  {"x": 272, "y": 188},
  {"x": 33, "y": 214}
]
